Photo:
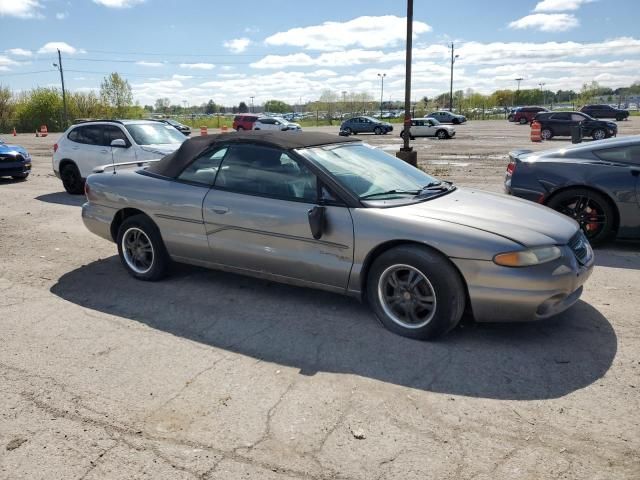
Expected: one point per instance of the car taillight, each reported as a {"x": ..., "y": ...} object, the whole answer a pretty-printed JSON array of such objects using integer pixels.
[
  {"x": 511, "y": 167},
  {"x": 55, "y": 147}
]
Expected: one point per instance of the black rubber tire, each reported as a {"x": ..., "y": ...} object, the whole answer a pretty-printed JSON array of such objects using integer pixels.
[
  {"x": 377, "y": 131},
  {"x": 556, "y": 201},
  {"x": 440, "y": 135},
  {"x": 523, "y": 121},
  {"x": 447, "y": 284},
  {"x": 161, "y": 260},
  {"x": 72, "y": 181},
  {"x": 594, "y": 134},
  {"x": 619, "y": 118},
  {"x": 20, "y": 177},
  {"x": 402, "y": 135},
  {"x": 239, "y": 129},
  {"x": 347, "y": 131},
  {"x": 455, "y": 121},
  {"x": 549, "y": 135}
]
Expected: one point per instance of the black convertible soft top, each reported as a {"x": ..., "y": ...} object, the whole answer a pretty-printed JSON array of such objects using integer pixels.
[{"x": 172, "y": 164}]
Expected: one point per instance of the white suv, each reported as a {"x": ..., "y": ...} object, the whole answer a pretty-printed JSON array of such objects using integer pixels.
[
  {"x": 88, "y": 145},
  {"x": 275, "y": 123}
]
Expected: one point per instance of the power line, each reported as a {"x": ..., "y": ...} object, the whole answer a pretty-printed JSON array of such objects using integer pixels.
[{"x": 26, "y": 73}]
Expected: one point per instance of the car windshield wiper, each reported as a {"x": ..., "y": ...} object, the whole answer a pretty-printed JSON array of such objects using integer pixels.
[{"x": 391, "y": 192}]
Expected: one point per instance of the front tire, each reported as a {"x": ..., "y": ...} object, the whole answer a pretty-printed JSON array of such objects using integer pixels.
[
  {"x": 599, "y": 134},
  {"x": 141, "y": 249},
  {"x": 546, "y": 134},
  {"x": 377, "y": 131},
  {"x": 590, "y": 209},
  {"x": 72, "y": 181},
  {"x": 416, "y": 292},
  {"x": 523, "y": 121},
  {"x": 442, "y": 134}
]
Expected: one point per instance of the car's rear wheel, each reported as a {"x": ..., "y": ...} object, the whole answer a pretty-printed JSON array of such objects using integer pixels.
[
  {"x": 590, "y": 209},
  {"x": 619, "y": 118},
  {"x": 141, "y": 248},
  {"x": 415, "y": 292},
  {"x": 377, "y": 131},
  {"x": 442, "y": 134},
  {"x": 71, "y": 179},
  {"x": 523, "y": 121},
  {"x": 599, "y": 134},
  {"x": 546, "y": 134},
  {"x": 240, "y": 128}
]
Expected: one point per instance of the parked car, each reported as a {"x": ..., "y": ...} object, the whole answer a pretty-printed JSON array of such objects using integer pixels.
[
  {"x": 90, "y": 144},
  {"x": 596, "y": 184},
  {"x": 444, "y": 116},
  {"x": 244, "y": 121},
  {"x": 429, "y": 127},
  {"x": 365, "y": 124},
  {"x": 524, "y": 115},
  {"x": 182, "y": 128},
  {"x": 275, "y": 123},
  {"x": 327, "y": 212},
  {"x": 558, "y": 124},
  {"x": 605, "y": 111},
  {"x": 15, "y": 161}
]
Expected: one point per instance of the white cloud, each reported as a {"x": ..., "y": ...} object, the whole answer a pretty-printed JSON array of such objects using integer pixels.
[
  {"x": 231, "y": 75},
  {"x": 181, "y": 77},
  {"x": 20, "y": 8},
  {"x": 198, "y": 66},
  {"x": 329, "y": 59},
  {"x": 366, "y": 31},
  {"x": 237, "y": 45},
  {"x": 546, "y": 22},
  {"x": 6, "y": 63},
  {"x": 61, "y": 15},
  {"x": 118, "y": 3},
  {"x": 559, "y": 5},
  {"x": 19, "y": 52},
  {"x": 53, "y": 47},
  {"x": 144, "y": 63}
]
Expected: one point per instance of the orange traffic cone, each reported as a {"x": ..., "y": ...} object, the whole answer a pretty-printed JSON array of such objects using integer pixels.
[{"x": 14, "y": 132}]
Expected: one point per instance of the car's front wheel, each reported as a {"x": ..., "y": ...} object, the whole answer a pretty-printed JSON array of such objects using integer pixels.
[
  {"x": 416, "y": 292},
  {"x": 141, "y": 248},
  {"x": 377, "y": 131},
  {"x": 71, "y": 179},
  {"x": 599, "y": 134},
  {"x": 347, "y": 131},
  {"x": 546, "y": 134},
  {"x": 442, "y": 134},
  {"x": 523, "y": 121}
]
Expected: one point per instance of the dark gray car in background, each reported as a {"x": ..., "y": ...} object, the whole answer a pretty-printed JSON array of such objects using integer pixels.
[{"x": 595, "y": 183}]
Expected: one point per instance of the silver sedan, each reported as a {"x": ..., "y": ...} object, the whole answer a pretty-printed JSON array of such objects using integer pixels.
[{"x": 333, "y": 213}]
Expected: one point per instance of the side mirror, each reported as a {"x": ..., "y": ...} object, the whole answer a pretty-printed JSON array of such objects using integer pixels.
[
  {"x": 317, "y": 221},
  {"x": 118, "y": 142}
]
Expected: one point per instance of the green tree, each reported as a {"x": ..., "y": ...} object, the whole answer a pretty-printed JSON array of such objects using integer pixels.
[
  {"x": 7, "y": 108},
  {"x": 40, "y": 106},
  {"x": 242, "y": 107},
  {"x": 162, "y": 104},
  {"x": 85, "y": 105},
  {"x": 276, "y": 106},
  {"x": 115, "y": 92},
  {"x": 210, "y": 107}
]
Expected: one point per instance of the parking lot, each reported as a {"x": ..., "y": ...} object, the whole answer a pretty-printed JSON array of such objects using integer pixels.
[{"x": 211, "y": 375}]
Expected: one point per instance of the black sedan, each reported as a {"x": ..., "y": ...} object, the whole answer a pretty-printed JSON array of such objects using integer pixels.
[
  {"x": 605, "y": 111},
  {"x": 357, "y": 125},
  {"x": 597, "y": 184},
  {"x": 182, "y": 128},
  {"x": 15, "y": 161},
  {"x": 558, "y": 124}
]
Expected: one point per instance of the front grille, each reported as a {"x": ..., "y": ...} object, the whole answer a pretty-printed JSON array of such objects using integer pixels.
[
  {"x": 7, "y": 158},
  {"x": 580, "y": 247}
]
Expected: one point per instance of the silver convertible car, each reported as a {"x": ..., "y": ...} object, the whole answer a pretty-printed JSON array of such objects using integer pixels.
[{"x": 321, "y": 211}]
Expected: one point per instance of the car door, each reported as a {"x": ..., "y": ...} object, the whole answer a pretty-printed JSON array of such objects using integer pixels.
[
  {"x": 119, "y": 154},
  {"x": 89, "y": 151},
  {"x": 429, "y": 129},
  {"x": 561, "y": 124},
  {"x": 257, "y": 219}
]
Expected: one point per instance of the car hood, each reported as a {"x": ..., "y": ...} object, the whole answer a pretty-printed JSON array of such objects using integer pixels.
[
  {"x": 7, "y": 148},
  {"x": 518, "y": 220},
  {"x": 161, "y": 149}
]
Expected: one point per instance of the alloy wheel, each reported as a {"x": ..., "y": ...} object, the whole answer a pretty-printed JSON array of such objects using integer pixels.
[
  {"x": 587, "y": 212},
  {"x": 137, "y": 250}
]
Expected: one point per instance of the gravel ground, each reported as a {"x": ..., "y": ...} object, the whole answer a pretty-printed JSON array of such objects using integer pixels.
[{"x": 215, "y": 376}]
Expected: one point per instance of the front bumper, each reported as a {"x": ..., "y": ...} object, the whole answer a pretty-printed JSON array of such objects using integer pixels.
[
  {"x": 502, "y": 294},
  {"x": 14, "y": 168}
]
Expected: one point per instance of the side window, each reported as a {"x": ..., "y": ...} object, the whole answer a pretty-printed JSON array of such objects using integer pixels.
[
  {"x": 89, "y": 135},
  {"x": 628, "y": 154},
  {"x": 268, "y": 172},
  {"x": 111, "y": 133},
  {"x": 74, "y": 134},
  {"x": 576, "y": 118},
  {"x": 204, "y": 168},
  {"x": 561, "y": 116}
]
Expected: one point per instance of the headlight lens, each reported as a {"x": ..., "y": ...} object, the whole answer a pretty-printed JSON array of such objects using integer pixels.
[{"x": 527, "y": 258}]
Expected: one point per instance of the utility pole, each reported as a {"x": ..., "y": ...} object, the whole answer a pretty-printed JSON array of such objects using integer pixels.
[
  {"x": 544, "y": 95},
  {"x": 64, "y": 95},
  {"x": 381, "y": 75},
  {"x": 251, "y": 103},
  {"x": 407, "y": 153},
  {"x": 519, "y": 79},
  {"x": 453, "y": 60}
]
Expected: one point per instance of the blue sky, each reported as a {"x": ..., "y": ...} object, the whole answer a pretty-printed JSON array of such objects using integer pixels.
[{"x": 293, "y": 50}]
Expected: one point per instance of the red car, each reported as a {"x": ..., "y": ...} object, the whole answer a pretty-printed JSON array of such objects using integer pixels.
[
  {"x": 244, "y": 121},
  {"x": 525, "y": 115}
]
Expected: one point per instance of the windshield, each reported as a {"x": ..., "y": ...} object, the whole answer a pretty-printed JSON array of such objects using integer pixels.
[
  {"x": 154, "y": 134},
  {"x": 372, "y": 174}
]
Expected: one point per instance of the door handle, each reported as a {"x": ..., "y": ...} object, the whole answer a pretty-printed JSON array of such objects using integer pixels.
[
  {"x": 104, "y": 150},
  {"x": 218, "y": 209}
]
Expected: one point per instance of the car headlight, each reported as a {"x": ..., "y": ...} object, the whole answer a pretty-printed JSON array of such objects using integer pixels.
[{"x": 527, "y": 258}]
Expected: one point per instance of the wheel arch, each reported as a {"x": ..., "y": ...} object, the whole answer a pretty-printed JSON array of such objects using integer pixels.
[
  {"x": 604, "y": 193},
  {"x": 386, "y": 246},
  {"x": 121, "y": 216}
]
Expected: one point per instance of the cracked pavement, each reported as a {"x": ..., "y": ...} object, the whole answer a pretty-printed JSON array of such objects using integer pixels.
[{"x": 209, "y": 375}]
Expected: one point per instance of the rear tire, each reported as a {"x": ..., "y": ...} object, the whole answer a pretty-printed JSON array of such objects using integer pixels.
[
  {"x": 239, "y": 129},
  {"x": 72, "y": 181},
  {"x": 141, "y": 249},
  {"x": 523, "y": 121},
  {"x": 416, "y": 292},
  {"x": 592, "y": 210}
]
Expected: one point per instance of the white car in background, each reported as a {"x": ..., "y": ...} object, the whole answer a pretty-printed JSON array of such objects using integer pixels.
[
  {"x": 430, "y": 127},
  {"x": 88, "y": 145},
  {"x": 275, "y": 123}
]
